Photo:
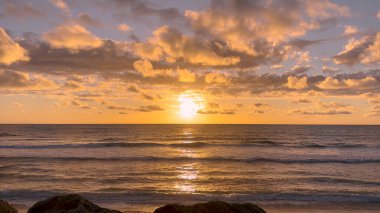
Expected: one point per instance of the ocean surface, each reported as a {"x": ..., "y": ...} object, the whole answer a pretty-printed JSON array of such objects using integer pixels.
[{"x": 132, "y": 167}]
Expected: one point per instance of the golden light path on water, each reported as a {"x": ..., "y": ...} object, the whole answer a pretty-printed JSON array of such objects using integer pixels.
[{"x": 187, "y": 173}]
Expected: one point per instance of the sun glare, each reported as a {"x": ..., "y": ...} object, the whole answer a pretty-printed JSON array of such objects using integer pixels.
[{"x": 188, "y": 105}]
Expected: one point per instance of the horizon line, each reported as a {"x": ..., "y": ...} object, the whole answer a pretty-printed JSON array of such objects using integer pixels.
[{"x": 285, "y": 124}]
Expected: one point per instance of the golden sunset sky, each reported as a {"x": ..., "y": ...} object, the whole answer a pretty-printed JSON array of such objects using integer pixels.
[{"x": 167, "y": 61}]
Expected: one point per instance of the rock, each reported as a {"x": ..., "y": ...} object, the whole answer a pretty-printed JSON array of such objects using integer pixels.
[
  {"x": 72, "y": 203},
  {"x": 211, "y": 207},
  {"x": 5, "y": 207}
]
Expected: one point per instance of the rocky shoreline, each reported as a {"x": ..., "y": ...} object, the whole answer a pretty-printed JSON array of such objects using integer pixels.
[{"x": 73, "y": 203}]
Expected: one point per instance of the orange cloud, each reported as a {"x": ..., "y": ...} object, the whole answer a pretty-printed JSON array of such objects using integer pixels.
[
  {"x": 10, "y": 51},
  {"x": 61, "y": 4},
  {"x": 185, "y": 75},
  {"x": 124, "y": 27},
  {"x": 297, "y": 83},
  {"x": 73, "y": 37},
  {"x": 372, "y": 53},
  {"x": 177, "y": 46},
  {"x": 331, "y": 83}
]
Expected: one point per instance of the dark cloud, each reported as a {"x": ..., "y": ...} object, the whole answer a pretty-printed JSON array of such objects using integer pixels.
[
  {"x": 13, "y": 79},
  {"x": 114, "y": 107},
  {"x": 261, "y": 104},
  {"x": 363, "y": 50},
  {"x": 207, "y": 111},
  {"x": 329, "y": 112},
  {"x": 147, "y": 97},
  {"x": 211, "y": 112},
  {"x": 87, "y": 20},
  {"x": 133, "y": 88},
  {"x": 149, "y": 108},
  {"x": 298, "y": 70},
  {"x": 139, "y": 9},
  {"x": 301, "y": 101},
  {"x": 109, "y": 57},
  {"x": 303, "y": 43}
]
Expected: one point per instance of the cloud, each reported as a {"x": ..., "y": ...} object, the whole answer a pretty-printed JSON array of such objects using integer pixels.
[
  {"x": 116, "y": 107},
  {"x": 137, "y": 9},
  {"x": 277, "y": 66},
  {"x": 110, "y": 57},
  {"x": 301, "y": 101},
  {"x": 378, "y": 15},
  {"x": 149, "y": 108},
  {"x": 61, "y": 4},
  {"x": 365, "y": 50},
  {"x": 18, "y": 104},
  {"x": 147, "y": 97},
  {"x": 302, "y": 43},
  {"x": 207, "y": 111},
  {"x": 147, "y": 51},
  {"x": 73, "y": 37},
  {"x": 298, "y": 70},
  {"x": 216, "y": 78},
  {"x": 330, "y": 70},
  {"x": 177, "y": 46},
  {"x": 19, "y": 10},
  {"x": 147, "y": 70},
  {"x": 297, "y": 83},
  {"x": 213, "y": 105},
  {"x": 10, "y": 51},
  {"x": 350, "y": 30},
  {"x": 73, "y": 85},
  {"x": 185, "y": 75},
  {"x": 240, "y": 23},
  {"x": 329, "y": 112},
  {"x": 372, "y": 53},
  {"x": 133, "y": 88},
  {"x": 375, "y": 111},
  {"x": 211, "y": 112},
  {"x": 326, "y": 9},
  {"x": 87, "y": 20},
  {"x": 303, "y": 57},
  {"x": 80, "y": 104},
  {"x": 124, "y": 27},
  {"x": 258, "y": 104},
  {"x": 333, "y": 84},
  {"x": 333, "y": 105},
  {"x": 12, "y": 79}
]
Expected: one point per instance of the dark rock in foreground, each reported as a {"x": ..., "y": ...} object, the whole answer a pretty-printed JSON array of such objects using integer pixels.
[
  {"x": 211, "y": 207},
  {"x": 6, "y": 207},
  {"x": 72, "y": 203}
]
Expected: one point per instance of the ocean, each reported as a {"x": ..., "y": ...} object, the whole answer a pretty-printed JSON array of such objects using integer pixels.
[{"x": 140, "y": 167}]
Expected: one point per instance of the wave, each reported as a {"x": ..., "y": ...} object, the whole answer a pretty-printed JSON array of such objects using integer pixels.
[
  {"x": 179, "y": 145},
  {"x": 135, "y": 144},
  {"x": 7, "y": 134},
  {"x": 336, "y": 145},
  {"x": 206, "y": 159},
  {"x": 335, "y": 180},
  {"x": 116, "y": 195}
]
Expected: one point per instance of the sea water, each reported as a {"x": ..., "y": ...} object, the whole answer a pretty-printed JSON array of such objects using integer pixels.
[{"x": 132, "y": 167}]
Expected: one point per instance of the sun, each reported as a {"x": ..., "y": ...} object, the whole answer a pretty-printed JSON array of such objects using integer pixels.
[{"x": 189, "y": 105}]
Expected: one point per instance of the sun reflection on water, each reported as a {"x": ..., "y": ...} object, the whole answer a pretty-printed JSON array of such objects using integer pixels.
[{"x": 187, "y": 174}]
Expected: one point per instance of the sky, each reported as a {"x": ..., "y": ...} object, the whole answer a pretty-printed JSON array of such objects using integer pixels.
[{"x": 171, "y": 61}]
